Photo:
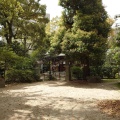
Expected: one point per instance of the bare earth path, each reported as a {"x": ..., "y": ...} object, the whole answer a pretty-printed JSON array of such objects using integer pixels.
[{"x": 55, "y": 100}]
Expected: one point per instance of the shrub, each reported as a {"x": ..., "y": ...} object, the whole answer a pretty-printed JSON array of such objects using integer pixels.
[
  {"x": 15, "y": 75},
  {"x": 96, "y": 71},
  {"x": 76, "y": 72},
  {"x": 109, "y": 71},
  {"x": 117, "y": 75}
]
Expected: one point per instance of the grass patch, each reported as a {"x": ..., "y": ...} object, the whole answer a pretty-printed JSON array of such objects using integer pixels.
[
  {"x": 118, "y": 85},
  {"x": 110, "y": 80},
  {"x": 117, "y": 82}
]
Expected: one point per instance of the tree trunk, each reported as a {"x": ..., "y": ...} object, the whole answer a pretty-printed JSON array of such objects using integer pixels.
[
  {"x": 86, "y": 69},
  {"x": 25, "y": 43},
  {"x": 68, "y": 72},
  {"x": 9, "y": 34},
  {"x": 9, "y": 40}
]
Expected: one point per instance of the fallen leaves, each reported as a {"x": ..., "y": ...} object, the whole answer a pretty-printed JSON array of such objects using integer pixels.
[{"x": 110, "y": 107}]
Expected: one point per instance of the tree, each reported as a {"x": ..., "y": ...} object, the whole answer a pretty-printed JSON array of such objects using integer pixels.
[
  {"x": 23, "y": 25},
  {"x": 87, "y": 31},
  {"x": 117, "y": 38},
  {"x": 112, "y": 61},
  {"x": 53, "y": 25},
  {"x": 23, "y": 20},
  {"x": 9, "y": 14},
  {"x": 7, "y": 58},
  {"x": 31, "y": 27}
]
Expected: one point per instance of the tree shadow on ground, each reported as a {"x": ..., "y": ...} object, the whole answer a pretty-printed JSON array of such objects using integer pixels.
[
  {"x": 84, "y": 84},
  {"x": 59, "y": 83},
  {"x": 23, "y": 106}
]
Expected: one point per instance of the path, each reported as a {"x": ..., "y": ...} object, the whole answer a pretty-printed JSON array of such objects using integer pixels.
[{"x": 55, "y": 101}]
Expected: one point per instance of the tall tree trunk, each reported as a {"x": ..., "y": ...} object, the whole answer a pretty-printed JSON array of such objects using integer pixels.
[
  {"x": 9, "y": 34},
  {"x": 68, "y": 72},
  {"x": 86, "y": 69},
  {"x": 25, "y": 43},
  {"x": 9, "y": 41}
]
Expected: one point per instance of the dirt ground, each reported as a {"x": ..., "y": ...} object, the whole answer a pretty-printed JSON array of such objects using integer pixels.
[
  {"x": 111, "y": 107},
  {"x": 57, "y": 100}
]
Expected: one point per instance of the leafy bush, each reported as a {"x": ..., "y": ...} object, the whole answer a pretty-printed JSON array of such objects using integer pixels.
[
  {"x": 95, "y": 71},
  {"x": 18, "y": 48},
  {"x": 109, "y": 71},
  {"x": 117, "y": 75},
  {"x": 17, "y": 68},
  {"x": 76, "y": 72},
  {"x": 15, "y": 75},
  {"x": 94, "y": 79},
  {"x": 22, "y": 71}
]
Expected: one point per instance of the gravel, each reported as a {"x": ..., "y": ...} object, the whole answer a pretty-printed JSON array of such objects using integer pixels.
[{"x": 56, "y": 100}]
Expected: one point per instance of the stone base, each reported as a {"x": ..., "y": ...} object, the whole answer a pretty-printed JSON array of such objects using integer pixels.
[{"x": 2, "y": 83}]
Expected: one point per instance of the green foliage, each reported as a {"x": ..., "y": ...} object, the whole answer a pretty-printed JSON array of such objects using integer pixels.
[
  {"x": 17, "y": 48},
  {"x": 23, "y": 25},
  {"x": 53, "y": 25},
  {"x": 86, "y": 31},
  {"x": 9, "y": 14},
  {"x": 117, "y": 76},
  {"x": 22, "y": 71},
  {"x": 74, "y": 42},
  {"x": 19, "y": 75},
  {"x": 23, "y": 21},
  {"x": 7, "y": 56},
  {"x": 110, "y": 80},
  {"x": 2, "y": 44},
  {"x": 118, "y": 85},
  {"x": 96, "y": 71},
  {"x": 56, "y": 40},
  {"x": 31, "y": 26},
  {"x": 109, "y": 71},
  {"x": 113, "y": 57},
  {"x": 2, "y": 69},
  {"x": 76, "y": 72},
  {"x": 118, "y": 39},
  {"x": 17, "y": 68}
]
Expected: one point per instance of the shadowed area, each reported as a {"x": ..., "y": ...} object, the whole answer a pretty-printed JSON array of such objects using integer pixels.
[{"x": 55, "y": 100}]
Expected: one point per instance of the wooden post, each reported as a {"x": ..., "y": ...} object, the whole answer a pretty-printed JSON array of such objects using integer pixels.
[{"x": 68, "y": 73}]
